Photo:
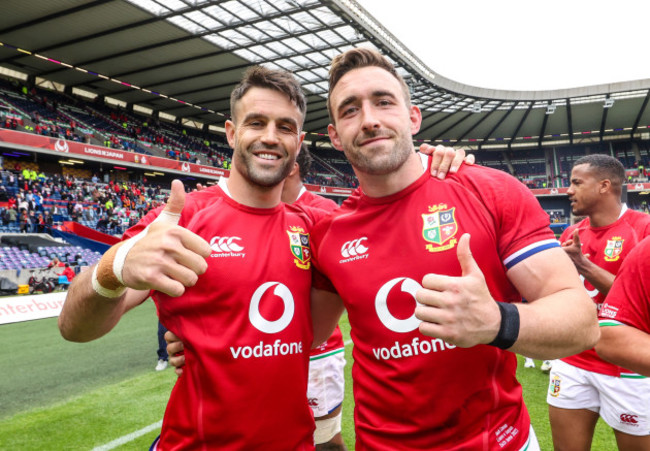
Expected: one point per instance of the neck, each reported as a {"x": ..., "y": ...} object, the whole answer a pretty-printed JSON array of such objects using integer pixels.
[
  {"x": 393, "y": 182},
  {"x": 246, "y": 193},
  {"x": 607, "y": 215},
  {"x": 291, "y": 190}
]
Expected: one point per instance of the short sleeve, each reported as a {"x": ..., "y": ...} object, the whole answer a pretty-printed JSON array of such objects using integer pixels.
[{"x": 628, "y": 301}]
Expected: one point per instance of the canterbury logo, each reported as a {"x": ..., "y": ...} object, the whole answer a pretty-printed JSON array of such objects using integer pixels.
[
  {"x": 354, "y": 248},
  {"x": 226, "y": 244},
  {"x": 629, "y": 419}
]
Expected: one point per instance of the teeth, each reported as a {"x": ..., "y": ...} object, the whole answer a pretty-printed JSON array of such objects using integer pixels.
[{"x": 268, "y": 156}]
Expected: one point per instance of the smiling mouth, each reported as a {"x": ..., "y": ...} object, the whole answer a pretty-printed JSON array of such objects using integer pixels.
[
  {"x": 267, "y": 156},
  {"x": 372, "y": 140}
]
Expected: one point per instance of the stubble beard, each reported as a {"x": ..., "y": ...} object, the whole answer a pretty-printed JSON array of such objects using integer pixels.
[
  {"x": 251, "y": 170},
  {"x": 384, "y": 163}
]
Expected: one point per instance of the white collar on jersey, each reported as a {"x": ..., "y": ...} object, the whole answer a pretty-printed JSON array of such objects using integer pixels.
[
  {"x": 623, "y": 210},
  {"x": 302, "y": 191},
  {"x": 424, "y": 159},
  {"x": 223, "y": 184}
]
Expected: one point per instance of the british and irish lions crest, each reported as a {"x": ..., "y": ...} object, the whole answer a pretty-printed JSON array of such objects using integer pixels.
[
  {"x": 299, "y": 243},
  {"x": 440, "y": 228},
  {"x": 614, "y": 248}
]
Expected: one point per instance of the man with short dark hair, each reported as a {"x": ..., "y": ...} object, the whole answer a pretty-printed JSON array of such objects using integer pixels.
[
  {"x": 326, "y": 362},
  {"x": 584, "y": 386},
  {"x": 246, "y": 321},
  {"x": 431, "y": 370}
]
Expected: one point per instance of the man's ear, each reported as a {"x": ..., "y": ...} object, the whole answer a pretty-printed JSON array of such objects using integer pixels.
[
  {"x": 295, "y": 170},
  {"x": 334, "y": 137},
  {"x": 605, "y": 186},
  {"x": 230, "y": 133},
  {"x": 415, "y": 115}
]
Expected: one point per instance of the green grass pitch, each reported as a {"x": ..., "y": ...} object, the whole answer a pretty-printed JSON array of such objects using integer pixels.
[{"x": 56, "y": 395}]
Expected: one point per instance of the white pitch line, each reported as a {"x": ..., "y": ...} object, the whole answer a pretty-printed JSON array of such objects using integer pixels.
[
  {"x": 128, "y": 437},
  {"x": 133, "y": 435}
]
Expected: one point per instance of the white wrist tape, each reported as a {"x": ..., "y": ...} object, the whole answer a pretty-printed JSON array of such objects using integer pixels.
[
  {"x": 100, "y": 290},
  {"x": 120, "y": 255}
]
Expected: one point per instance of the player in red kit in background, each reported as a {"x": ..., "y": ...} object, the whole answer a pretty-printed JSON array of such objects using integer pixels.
[
  {"x": 625, "y": 315},
  {"x": 326, "y": 362},
  {"x": 584, "y": 386}
]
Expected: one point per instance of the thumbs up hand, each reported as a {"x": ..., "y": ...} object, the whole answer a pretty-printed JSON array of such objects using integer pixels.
[
  {"x": 459, "y": 310},
  {"x": 165, "y": 256}
]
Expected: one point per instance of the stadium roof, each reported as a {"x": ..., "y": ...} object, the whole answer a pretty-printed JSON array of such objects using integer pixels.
[{"x": 183, "y": 57}]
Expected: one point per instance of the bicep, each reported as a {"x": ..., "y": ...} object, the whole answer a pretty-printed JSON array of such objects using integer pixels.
[{"x": 543, "y": 274}]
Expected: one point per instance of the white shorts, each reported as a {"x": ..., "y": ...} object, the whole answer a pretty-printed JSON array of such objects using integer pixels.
[
  {"x": 531, "y": 444},
  {"x": 623, "y": 403},
  {"x": 326, "y": 383}
]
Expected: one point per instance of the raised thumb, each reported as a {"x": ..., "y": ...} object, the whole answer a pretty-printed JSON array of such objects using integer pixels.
[
  {"x": 171, "y": 214},
  {"x": 464, "y": 254}
]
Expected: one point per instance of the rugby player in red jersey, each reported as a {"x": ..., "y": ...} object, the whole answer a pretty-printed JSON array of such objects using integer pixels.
[
  {"x": 232, "y": 280},
  {"x": 584, "y": 387},
  {"x": 417, "y": 277},
  {"x": 627, "y": 307}
]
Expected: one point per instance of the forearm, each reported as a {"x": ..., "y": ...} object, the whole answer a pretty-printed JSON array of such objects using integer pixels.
[
  {"x": 600, "y": 278},
  {"x": 326, "y": 310},
  {"x": 625, "y": 346},
  {"x": 86, "y": 315},
  {"x": 559, "y": 325}
]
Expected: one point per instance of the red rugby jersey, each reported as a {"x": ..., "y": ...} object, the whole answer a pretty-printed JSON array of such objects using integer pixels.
[
  {"x": 246, "y": 328},
  {"x": 628, "y": 301},
  {"x": 607, "y": 247},
  {"x": 413, "y": 392},
  {"x": 335, "y": 342}
]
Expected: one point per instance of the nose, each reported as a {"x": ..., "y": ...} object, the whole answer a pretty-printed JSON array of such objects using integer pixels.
[
  {"x": 369, "y": 117},
  {"x": 570, "y": 191},
  {"x": 270, "y": 135}
]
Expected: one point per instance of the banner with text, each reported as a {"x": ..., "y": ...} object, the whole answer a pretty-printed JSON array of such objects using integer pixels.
[
  {"x": 69, "y": 149},
  {"x": 15, "y": 309}
]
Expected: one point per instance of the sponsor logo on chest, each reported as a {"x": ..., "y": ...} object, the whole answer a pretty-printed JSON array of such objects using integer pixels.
[
  {"x": 613, "y": 249},
  {"x": 440, "y": 228}
]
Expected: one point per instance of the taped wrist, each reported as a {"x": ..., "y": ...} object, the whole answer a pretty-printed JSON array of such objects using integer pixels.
[
  {"x": 107, "y": 276},
  {"x": 509, "y": 328},
  {"x": 104, "y": 281}
]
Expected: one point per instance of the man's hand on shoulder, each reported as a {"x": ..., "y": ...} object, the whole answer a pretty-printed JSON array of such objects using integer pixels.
[{"x": 446, "y": 160}]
